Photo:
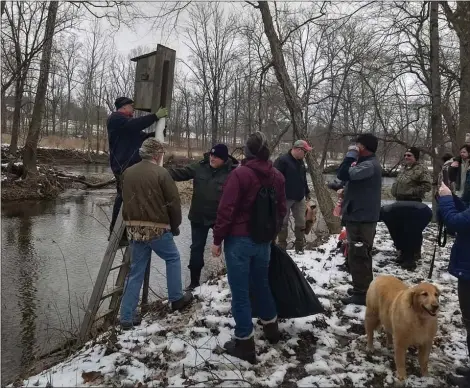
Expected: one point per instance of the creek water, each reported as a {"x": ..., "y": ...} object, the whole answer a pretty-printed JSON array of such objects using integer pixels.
[{"x": 51, "y": 255}]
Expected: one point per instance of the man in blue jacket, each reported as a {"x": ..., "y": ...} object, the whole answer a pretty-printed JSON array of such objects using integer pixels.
[
  {"x": 125, "y": 136},
  {"x": 292, "y": 166},
  {"x": 456, "y": 217},
  {"x": 360, "y": 211}
]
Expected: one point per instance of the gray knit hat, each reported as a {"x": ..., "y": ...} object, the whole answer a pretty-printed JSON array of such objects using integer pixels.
[{"x": 150, "y": 148}]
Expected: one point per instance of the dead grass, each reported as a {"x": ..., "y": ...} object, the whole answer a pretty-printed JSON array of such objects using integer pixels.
[{"x": 81, "y": 144}]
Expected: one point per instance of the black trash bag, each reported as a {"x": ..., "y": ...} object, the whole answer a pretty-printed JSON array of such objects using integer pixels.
[{"x": 292, "y": 293}]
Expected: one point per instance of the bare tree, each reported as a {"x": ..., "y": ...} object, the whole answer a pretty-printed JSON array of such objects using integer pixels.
[
  {"x": 294, "y": 105},
  {"x": 211, "y": 41},
  {"x": 29, "y": 155}
]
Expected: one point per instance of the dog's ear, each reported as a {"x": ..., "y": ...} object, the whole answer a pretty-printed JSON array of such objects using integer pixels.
[
  {"x": 438, "y": 291},
  {"x": 411, "y": 297}
]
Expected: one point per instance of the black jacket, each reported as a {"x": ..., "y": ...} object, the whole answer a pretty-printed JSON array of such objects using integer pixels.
[
  {"x": 125, "y": 137},
  {"x": 295, "y": 173},
  {"x": 207, "y": 187}
]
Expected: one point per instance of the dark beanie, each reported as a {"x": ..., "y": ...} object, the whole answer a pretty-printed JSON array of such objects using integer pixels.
[
  {"x": 369, "y": 141},
  {"x": 414, "y": 151},
  {"x": 121, "y": 101},
  {"x": 221, "y": 151}
]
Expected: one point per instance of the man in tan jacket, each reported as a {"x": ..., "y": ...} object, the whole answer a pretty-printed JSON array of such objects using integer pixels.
[{"x": 152, "y": 214}]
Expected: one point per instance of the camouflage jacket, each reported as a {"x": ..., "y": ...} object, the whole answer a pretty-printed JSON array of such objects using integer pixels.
[{"x": 413, "y": 182}]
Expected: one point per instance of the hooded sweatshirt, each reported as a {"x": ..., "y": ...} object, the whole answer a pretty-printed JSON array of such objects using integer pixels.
[{"x": 239, "y": 195}]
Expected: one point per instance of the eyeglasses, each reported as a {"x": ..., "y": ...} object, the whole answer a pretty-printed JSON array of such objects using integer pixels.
[{"x": 409, "y": 155}]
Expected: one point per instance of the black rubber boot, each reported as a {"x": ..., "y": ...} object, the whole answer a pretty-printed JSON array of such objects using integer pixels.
[
  {"x": 180, "y": 304},
  {"x": 399, "y": 258},
  {"x": 271, "y": 332},
  {"x": 355, "y": 298},
  {"x": 242, "y": 349},
  {"x": 195, "y": 278},
  {"x": 459, "y": 381},
  {"x": 463, "y": 371},
  {"x": 408, "y": 262}
]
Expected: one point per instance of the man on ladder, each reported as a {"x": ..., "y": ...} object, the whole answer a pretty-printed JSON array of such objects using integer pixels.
[
  {"x": 152, "y": 214},
  {"x": 125, "y": 136}
]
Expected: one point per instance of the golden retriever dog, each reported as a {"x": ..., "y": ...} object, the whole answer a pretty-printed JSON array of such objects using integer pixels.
[{"x": 408, "y": 315}]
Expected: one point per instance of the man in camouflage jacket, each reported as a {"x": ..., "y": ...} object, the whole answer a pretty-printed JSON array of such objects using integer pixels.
[
  {"x": 412, "y": 184},
  {"x": 414, "y": 180}
]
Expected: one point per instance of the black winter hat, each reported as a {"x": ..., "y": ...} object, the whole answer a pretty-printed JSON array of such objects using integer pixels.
[
  {"x": 369, "y": 141},
  {"x": 221, "y": 151},
  {"x": 121, "y": 101},
  {"x": 414, "y": 151}
]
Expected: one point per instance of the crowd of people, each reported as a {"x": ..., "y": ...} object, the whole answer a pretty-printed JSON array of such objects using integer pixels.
[{"x": 247, "y": 204}]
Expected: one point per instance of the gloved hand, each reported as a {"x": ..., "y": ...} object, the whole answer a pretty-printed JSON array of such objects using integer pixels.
[
  {"x": 162, "y": 112},
  {"x": 164, "y": 131},
  {"x": 175, "y": 232},
  {"x": 353, "y": 151},
  {"x": 149, "y": 135}
]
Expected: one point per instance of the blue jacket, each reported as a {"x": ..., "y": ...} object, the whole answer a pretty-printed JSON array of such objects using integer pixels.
[
  {"x": 295, "y": 174},
  {"x": 125, "y": 137},
  {"x": 363, "y": 190},
  {"x": 457, "y": 219}
]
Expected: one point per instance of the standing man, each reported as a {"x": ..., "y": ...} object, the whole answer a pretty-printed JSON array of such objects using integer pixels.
[
  {"x": 125, "y": 137},
  {"x": 208, "y": 176},
  {"x": 152, "y": 213},
  {"x": 361, "y": 211},
  {"x": 407, "y": 218},
  {"x": 292, "y": 166}
]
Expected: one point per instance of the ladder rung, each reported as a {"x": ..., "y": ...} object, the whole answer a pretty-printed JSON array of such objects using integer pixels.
[
  {"x": 112, "y": 292},
  {"x": 117, "y": 266},
  {"x": 105, "y": 314}
]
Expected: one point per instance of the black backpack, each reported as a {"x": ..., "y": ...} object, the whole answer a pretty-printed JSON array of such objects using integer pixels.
[{"x": 263, "y": 221}]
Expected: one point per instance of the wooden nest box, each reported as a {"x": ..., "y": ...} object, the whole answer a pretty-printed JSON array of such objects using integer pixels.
[{"x": 154, "y": 76}]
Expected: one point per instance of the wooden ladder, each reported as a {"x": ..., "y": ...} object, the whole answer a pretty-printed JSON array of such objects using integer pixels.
[{"x": 98, "y": 295}]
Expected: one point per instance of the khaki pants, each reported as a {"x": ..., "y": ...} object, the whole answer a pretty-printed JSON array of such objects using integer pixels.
[{"x": 298, "y": 212}]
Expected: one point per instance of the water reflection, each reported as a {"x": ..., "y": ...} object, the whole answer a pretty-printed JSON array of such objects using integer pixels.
[{"x": 28, "y": 273}]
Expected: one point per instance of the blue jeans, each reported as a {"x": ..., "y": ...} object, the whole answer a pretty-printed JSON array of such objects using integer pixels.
[
  {"x": 164, "y": 247},
  {"x": 247, "y": 270}
]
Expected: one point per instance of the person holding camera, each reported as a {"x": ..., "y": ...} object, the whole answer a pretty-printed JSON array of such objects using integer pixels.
[
  {"x": 456, "y": 217},
  {"x": 459, "y": 174},
  {"x": 152, "y": 214}
]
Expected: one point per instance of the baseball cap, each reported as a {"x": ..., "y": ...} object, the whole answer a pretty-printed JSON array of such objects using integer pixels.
[{"x": 302, "y": 144}]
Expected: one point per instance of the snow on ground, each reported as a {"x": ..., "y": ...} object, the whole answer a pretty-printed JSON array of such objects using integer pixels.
[{"x": 184, "y": 349}]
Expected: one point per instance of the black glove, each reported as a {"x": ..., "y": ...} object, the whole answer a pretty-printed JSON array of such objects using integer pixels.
[
  {"x": 164, "y": 131},
  {"x": 175, "y": 232},
  {"x": 149, "y": 135}
]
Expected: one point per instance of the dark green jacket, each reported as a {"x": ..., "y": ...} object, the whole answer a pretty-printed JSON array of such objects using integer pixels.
[{"x": 207, "y": 187}]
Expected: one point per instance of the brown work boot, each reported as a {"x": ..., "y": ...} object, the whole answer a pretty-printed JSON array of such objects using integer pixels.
[
  {"x": 271, "y": 332},
  {"x": 180, "y": 304},
  {"x": 244, "y": 349}
]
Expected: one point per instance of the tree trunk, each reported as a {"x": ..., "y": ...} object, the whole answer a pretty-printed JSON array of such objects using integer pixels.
[
  {"x": 4, "y": 128},
  {"x": 325, "y": 202},
  {"x": 15, "y": 129},
  {"x": 30, "y": 149},
  {"x": 436, "y": 117}
]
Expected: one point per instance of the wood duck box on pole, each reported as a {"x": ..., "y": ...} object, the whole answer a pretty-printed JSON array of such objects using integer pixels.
[{"x": 154, "y": 76}]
